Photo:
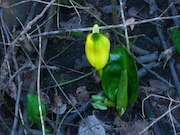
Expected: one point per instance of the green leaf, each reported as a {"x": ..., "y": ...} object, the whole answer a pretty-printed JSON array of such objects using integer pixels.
[
  {"x": 99, "y": 105},
  {"x": 176, "y": 38},
  {"x": 122, "y": 93},
  {"x": 110, "y": 79},
  {"x": 98, "y": 97},
  {"x": 33, "y": 109},
  {"x": 119, "y": 60}
]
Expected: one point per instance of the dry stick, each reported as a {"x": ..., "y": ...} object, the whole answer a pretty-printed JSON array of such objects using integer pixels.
[
  {"x": 38, "y": 85},
  {"x": 22, "y": 121},
  {"x": 170, "y": 115},
  {"x": 125, "y": 26},
  {"x": 44, "y": 2},
  {"x": 17, "y": 98},
  {"x": 105, "y": 27}
]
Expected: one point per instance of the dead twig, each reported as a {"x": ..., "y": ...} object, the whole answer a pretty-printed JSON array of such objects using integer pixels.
[
  {"x": 38, "y": 84},
  {"x": 105, "y": 27},
  {"x": 44, "y": 2}
]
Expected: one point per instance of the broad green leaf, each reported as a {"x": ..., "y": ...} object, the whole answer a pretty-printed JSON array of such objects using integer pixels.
[
  {"x": 33, "y": 109},
  {"x": 133, "y": 79},
  {"x": 122, "y": 93},
  {"x": 110, "y": 79},
  {"x": 120, "y": 59},
  {"x": 176, "y": 38}
]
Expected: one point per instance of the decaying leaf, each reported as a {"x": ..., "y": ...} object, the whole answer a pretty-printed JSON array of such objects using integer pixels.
[
  {"x": 92, "y": 127},
  {"x": 11, "y": 90},
  {"x": 45, "y": 98},
  {"x": 96, "y": 77},
  {"x": 83, "y": 94},
  {"x": 131, "y": 20},
  {"x": 73, "y": 99},
  {"x": 58, "y": 109},
  {"x": 159, "y": 85},
  {"x": 57, "y": 100}
]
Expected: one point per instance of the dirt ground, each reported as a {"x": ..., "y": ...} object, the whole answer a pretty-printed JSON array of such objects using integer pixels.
[{"x": 42, "y": 45}]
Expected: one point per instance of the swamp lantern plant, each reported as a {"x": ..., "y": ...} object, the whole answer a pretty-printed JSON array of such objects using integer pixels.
[{"x": 97, "y": 49}]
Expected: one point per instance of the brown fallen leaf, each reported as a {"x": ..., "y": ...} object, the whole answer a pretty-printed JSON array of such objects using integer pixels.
[
  {"x": 96, "y": 77},
  {"x": 58, "y": 109},
  {"x": 11, "y": 90},
  {"x": 57, "y": 100},
  {"x": 45, "y": 98},
  {"x": 83, "y": 94},
  {"x": 159, "y": 85},
  {"x": 73, "y": 99},
  {"x": 131, "y": 20}
]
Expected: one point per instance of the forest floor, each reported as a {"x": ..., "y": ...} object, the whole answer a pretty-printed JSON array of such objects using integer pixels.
[{"x": 42, "y": 52}]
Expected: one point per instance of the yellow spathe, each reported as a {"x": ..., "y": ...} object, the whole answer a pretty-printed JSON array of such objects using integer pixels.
[{"x": 97, "y": 50}]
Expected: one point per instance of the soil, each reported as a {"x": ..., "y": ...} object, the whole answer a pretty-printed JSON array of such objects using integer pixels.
[{"x": 156, "y": 110}]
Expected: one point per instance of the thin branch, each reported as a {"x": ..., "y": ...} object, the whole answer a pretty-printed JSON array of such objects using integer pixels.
[
  {"x": 38, "y": 85},
  {"x": 17, "y": 98},
  {"x": 170, "y": 115},
  {"x": 125, "y": 26},
  {"x": 105, "y": 27},
  {"x": 44, "y": 2}
]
